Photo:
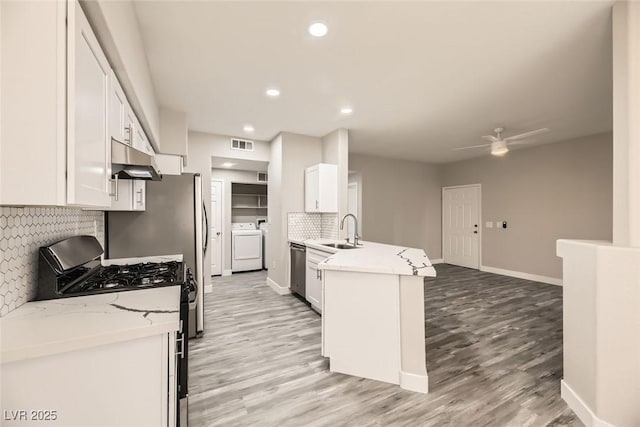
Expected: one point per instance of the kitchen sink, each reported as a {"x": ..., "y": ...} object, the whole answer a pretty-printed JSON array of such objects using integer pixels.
[{"x": 340, "y": 246}]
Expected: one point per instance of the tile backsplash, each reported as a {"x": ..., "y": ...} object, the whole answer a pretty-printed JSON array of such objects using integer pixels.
[
  {"x": 303, "y": 225},
  {"x": 329, "y": 225},
  {"x": 22, "y": 232}
]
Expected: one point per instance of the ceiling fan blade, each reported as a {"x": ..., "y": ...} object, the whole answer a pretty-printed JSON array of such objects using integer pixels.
[
  {"x": 520, "y": 142},
  {"x": 527, "y": 134},
  {"x": 490, "y": 138},
  {"x": 472, "y": 146}
]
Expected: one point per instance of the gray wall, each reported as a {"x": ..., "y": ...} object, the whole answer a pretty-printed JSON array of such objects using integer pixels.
[
  {"x": 204, "y": 146},
  {"x": 545, "y": 193},
  {"x": 400, "y": 202},
  {"x": 291, "y": 154},
  {"x": 335, "y": 150}
]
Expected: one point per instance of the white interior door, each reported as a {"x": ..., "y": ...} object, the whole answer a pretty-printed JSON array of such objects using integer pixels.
[
  {"x": 461, "y": 225},
  {"x": 216, "y": 228}
]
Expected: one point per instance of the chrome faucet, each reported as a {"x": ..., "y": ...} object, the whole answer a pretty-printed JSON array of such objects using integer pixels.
[{"x": 356, "y": 238}]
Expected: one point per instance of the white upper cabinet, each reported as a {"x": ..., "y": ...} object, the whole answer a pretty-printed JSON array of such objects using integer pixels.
[
  {"x": 129, "y": 124},
  {"x": 128, "y": 195},
  {"x": 321, "y": 188},
  {"x": 169, "y": 164},
  {"x": 140, "y": 140},
  {"x": 61, "y": 105},
  {"x": 33, "y": 94},
  {"x": 117, "y": 108},
  {"x": 139, "y": 195},
  {"x": 88, "y": 141},
  {"x": 55, "y": 107}
]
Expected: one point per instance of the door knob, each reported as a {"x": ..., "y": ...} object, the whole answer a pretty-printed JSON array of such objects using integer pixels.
[
  {"x": 475, "y": 232},
  {"x": 218, "y": 233}
]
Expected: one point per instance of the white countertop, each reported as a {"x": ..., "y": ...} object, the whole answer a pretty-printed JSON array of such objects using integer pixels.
[
  {"x": 374, "y": 257},
  {"x": 42, "y": 328}
]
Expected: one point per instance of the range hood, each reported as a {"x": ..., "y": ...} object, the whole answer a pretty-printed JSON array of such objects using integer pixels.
[{"x": 130, "y": 163}]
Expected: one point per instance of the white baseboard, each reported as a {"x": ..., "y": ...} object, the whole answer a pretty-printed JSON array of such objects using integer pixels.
[
  {"x": 521, "y": 275},
  {"x": 226, "y": 273},
  {"x": 437, "y": 261},
  {"x": 277, "y": 288},
  {"x": 581, "y": 409},
  {"x": 414, "y": 382},
  {"x": 208, "y": 288}
]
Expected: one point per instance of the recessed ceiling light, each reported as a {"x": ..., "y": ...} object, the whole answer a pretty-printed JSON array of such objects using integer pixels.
[
  {"x": 228, "y": 164},
  {"x": 248, "y": 128},
  {"x": 346, "y": 110},
  {"x": 318, "y": 29},
  {"x": 273, "y": 92}
]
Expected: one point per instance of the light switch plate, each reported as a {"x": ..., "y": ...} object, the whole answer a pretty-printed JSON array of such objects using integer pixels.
[
  {"x": 489, "y": 224},
  {"x": 498, "y": 224}
]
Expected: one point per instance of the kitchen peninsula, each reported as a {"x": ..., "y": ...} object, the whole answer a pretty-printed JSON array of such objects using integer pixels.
[{"x": 373, "y": 313}]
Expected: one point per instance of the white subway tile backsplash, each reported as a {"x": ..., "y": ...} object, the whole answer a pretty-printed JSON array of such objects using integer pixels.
[{"x": 22, "y": 232}]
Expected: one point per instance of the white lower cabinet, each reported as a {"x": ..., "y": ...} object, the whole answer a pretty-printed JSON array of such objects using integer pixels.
[
  {"x": 313, "y": 279},
  {"x": 128, "y": 383}
]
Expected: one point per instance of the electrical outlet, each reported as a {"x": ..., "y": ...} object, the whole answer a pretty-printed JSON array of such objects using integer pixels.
[{"x": 489, "y": 224}]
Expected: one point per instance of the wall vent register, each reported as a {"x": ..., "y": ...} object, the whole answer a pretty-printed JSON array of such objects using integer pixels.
[
  {"x": 241, "y": 144},
  {"x": 263, "y": 177}
]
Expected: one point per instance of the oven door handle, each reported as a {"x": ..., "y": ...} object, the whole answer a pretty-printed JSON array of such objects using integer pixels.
[{"x": 181, "y": 340}]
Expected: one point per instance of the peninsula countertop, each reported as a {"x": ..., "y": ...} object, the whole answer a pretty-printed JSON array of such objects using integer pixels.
[
  {"x": 374, "y": 257},
  {"x": 42, "y": 328}
]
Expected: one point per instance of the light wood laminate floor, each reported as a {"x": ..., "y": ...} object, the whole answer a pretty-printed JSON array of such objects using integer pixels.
[{"x": 494, "y": 358}]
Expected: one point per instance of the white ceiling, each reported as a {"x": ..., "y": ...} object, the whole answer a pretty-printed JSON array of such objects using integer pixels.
[{"x": 422, "y": 77}]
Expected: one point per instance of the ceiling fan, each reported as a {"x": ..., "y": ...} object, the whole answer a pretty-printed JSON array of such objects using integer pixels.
[{"x": 499, "y": 145}]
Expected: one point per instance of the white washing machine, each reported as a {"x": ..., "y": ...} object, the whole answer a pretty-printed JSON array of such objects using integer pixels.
[{"x": 246, "y": 247}]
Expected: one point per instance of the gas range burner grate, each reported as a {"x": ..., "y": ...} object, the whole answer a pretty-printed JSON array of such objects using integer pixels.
[{"x": 115, "y": 277}]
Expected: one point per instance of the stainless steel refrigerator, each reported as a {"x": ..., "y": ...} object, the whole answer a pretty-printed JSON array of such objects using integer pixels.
[{"x": 174, "y": 222}]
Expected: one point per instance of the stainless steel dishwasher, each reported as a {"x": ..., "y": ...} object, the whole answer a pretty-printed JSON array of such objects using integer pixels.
[{"x": 298, "y": 269}]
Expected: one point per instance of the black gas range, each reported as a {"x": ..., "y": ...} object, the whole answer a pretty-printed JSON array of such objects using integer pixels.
[{"x": 72, "y": 268}]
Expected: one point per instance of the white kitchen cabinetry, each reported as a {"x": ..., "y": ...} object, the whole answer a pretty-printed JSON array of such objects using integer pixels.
[
  {"x": 130, "y": 382},
  {"x": 139, "y": 195},
  {"x": 55, "y": 103},
  {"x": 321, "y": 188},
  {"x": 169, "y": 164},
  {"x": 88, "y": 142},
  {"x": 129, "y": 125},
  {"x": 117, "y": 111},
  {"x": 140, "y": 140},
  {"x": 313, "y": 279},
  {"x": 130, "y": 196}
]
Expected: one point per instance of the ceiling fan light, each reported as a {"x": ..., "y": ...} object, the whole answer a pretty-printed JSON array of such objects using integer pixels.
[{"x": 499, "y": 148}]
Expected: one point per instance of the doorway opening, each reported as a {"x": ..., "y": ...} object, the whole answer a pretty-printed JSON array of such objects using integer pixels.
[{"x": 239, "y": 223}]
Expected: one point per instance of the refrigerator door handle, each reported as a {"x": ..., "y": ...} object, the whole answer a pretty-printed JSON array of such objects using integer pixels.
[{"x": 206, "y": 227}]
